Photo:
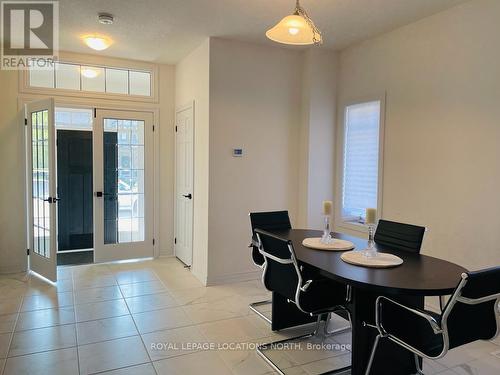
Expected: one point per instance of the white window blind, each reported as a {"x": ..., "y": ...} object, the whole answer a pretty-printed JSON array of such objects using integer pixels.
[{"x": 361, "y": 159}]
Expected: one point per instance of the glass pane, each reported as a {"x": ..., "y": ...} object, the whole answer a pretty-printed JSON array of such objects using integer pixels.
[
  {"x": 67, "y": 76},
  {"x": 42, "y": 78},
  {"x": 361, "y": 159},
  {"x": 40, "y": 182},
  {"x": 124, "y": 180},
  {"x": 137, "y": 132},
  {"x": 73, "y": 119},
  {"x": 140, "y": 83},
  {"x": 116, "y": 81},
  {"x": 110, "y": 125},
  {"x": 124, "y": 132},
  {"x": 93, "y": 79}
]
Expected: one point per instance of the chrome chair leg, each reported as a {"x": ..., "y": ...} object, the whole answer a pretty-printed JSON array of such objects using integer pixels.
[
  {"x": 417, "y": 364},
  {"x": 253, "y": 306},
  {"x": 337, "y": 331},
  {"x": 372, "y": 355},
  {"x": 263, "y": 347}
]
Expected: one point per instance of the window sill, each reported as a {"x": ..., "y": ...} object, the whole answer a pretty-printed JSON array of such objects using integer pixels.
[{"x": 356, "y": 229}]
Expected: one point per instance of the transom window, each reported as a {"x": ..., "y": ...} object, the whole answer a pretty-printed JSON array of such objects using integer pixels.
[{"x": 77, "y": 77}]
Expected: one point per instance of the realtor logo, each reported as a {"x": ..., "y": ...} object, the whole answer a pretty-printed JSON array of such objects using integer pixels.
[{"x": 29, "y": 33}]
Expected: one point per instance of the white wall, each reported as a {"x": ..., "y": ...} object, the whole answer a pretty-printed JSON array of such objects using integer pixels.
[
  {"x": 167, "y": 172},
  {"x": 255, "y": 104},
  {"x": 441, "y": 162},
  {"x": 317, "y": 135},
  {"x": 12, "y": 201},
  {"x": 192, "y": 84}
]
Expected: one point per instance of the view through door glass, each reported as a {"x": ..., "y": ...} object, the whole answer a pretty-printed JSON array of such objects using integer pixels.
[
  {"x": 40, "y": 180},
  {"x": 123, "y": 181}
]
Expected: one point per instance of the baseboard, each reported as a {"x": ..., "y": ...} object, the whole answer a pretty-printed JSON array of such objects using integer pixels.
[{"x": 234, "y": 278}]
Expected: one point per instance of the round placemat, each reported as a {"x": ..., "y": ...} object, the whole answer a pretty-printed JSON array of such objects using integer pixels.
[
  {"x": 382, "y": 260},
  {"x": 336, "y": 245}
]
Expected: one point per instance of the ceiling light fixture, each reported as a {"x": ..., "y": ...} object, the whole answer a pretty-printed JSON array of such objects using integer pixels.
[
  {"x": 97, "y": 42},
  {"x": 89, "y": 73},
  {"x": 296, "y": 29}
]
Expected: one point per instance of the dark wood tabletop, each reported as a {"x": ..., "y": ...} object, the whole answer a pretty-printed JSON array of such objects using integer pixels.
[{"x": 421, "y": 275}]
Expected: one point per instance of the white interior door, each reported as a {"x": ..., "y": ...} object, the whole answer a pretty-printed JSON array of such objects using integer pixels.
[
  {"x": 41, "y": 183},
  {"x": 123, "y": 185},
  {"x": 184, "y": 163}
]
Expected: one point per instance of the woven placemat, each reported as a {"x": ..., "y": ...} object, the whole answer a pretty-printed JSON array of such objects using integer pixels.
[
  {"x": 382, "y": 260},
  {"x": 336, "y": 245}
]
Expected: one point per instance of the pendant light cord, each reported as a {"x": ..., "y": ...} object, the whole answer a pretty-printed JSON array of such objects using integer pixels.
[{"x": 317, "y": 37}]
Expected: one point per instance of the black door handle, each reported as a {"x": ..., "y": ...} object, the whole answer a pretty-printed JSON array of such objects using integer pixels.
[
  {"x": 52, "y": 199},
  {"x": 188, "y": 196}
]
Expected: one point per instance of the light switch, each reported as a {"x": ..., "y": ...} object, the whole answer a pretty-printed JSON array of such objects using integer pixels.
[{"x": 237, "y": 152}]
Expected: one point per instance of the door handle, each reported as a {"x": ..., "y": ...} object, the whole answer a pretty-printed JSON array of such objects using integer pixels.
[
  {"x": 188, "y": 196},
  {"x": 52, "y": 199}
]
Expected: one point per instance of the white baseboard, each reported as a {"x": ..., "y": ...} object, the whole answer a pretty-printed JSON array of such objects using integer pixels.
[{"x": 234, "y": 278}]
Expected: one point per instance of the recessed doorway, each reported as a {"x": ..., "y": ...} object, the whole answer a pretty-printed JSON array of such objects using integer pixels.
[{"x": 74, "y": 166}]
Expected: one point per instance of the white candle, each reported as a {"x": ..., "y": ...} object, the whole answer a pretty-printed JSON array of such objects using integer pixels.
[
  {"x": 327, "y": 208},
  {"x": 370, "y": 216}
]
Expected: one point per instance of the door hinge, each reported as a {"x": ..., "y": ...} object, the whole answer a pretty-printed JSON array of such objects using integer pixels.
[
  {"x": 175, "y": 240},
  {"x": 27, "y": 251},
  {"x": 95, "y": 112},
  {"x": 176, "y": 128},
  {"x": 153, "y": 128},
  {"x": 26, "y": 122},
  {"x": 153, "y": 241}
]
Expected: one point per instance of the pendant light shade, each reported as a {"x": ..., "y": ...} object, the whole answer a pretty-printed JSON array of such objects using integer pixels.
[{"x": 296, "y": 29}]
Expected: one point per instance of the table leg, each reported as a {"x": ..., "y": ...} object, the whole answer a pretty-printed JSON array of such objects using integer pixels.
[
  {"x": 390, "y": 359},
  {"x": 286, "y": 315}
]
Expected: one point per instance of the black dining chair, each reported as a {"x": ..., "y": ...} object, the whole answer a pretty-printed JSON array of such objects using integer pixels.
[
  {"x": 273, "y": 220},
  {"x": 312, "y": 294},
  {"x": 399, "y": 236},
  {"x": 472, "y": 313}
]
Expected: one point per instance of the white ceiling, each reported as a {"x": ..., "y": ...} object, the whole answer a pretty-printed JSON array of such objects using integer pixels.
[{"x": 166, "y": 30}]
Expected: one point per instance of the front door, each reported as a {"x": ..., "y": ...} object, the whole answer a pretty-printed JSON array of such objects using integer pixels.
[
  {"x": 184, "y": 164},
  {"x": 42, "y": 199},
  {"x": 123, "y": 185}
]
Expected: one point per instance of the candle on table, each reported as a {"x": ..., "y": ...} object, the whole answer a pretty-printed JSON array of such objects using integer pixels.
[
  {"x": 370, "y": 216},
  {"x": 327, "y": 208}
]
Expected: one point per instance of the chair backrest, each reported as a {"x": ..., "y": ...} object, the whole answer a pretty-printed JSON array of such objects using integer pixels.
[
  {"x": 281, "y": 271},
  {"x": 472, "y": 313},
  {"x": 399, "y": 236},
  {"x": 273, "y": 220}
]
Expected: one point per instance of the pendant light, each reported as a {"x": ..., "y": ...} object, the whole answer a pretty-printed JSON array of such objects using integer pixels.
[{"x": 296, "y": 29}]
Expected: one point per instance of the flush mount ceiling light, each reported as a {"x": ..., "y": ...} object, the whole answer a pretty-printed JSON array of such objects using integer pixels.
[
  {"x": 89, "y": 73},
  {"x": 296, "y": 29},
  {"x": 97, "y": 42}
]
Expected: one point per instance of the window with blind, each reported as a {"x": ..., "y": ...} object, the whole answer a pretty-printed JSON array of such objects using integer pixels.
[{"x": 361, "y": 160}]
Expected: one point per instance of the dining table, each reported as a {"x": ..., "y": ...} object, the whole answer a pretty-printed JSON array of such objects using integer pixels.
[{"x": 419, "y": 276}]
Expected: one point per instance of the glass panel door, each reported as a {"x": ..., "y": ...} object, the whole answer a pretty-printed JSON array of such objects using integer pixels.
[
  {"x": 124, "y": 185},
  {"x": 40, "y": 136}
]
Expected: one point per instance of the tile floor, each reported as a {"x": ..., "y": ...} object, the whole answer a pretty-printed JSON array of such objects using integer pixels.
[{"x": 154, "y": 317}]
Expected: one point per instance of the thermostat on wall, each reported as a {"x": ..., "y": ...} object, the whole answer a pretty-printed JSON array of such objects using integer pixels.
[{"x": 237, "y": 152}]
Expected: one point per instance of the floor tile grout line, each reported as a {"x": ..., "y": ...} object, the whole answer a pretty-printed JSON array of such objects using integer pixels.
[
  {"x": 124, "y": 367},
  {"x": 76, "y": 330},
  {"x": 140, "y": 335}
]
